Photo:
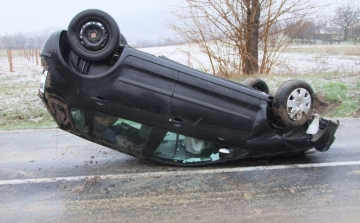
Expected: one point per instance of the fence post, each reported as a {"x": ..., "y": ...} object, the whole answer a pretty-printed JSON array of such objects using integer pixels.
[
  {"x": 9, "y": 53},
  {"x": 37, "y": 56},
  {"x": 32, "y": 55}
]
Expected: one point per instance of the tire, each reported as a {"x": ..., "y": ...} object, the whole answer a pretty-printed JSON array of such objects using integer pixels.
[
  {"x": 293, "y": 103},
  {"x": 257, "y": 84},
  {"x": 93, "y": 35}
]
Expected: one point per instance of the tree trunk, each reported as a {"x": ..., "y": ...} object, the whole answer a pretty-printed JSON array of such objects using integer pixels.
[
  {"x": 346, "y": 34},
  {"x": 251, "y": 58}
]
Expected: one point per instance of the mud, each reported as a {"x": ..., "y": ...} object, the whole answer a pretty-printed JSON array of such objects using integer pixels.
[{"x": 323, "y": 106}]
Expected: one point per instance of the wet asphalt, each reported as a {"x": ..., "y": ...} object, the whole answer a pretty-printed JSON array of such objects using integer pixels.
[{"x": 52, "y": 176}]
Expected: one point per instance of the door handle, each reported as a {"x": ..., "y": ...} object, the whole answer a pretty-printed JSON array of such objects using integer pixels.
[
  {"x": 176, "y": 121},
  {"x": 99, "y": 100}
]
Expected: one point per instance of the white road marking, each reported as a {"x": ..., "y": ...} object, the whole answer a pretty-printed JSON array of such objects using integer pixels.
[{"x": 176, "y": 173}]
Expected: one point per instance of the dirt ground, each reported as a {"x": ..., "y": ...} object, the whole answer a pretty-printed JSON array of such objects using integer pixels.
[{"x": 323, "y": 105}]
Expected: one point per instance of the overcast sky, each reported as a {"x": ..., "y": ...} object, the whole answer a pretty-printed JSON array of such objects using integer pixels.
[{"x": 36, "y": 15}]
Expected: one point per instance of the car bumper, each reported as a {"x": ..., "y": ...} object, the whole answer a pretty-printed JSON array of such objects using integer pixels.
[{"x": 324, "y": 138}]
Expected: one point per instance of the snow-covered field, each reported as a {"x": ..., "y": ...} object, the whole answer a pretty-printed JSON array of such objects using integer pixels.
[
  {"x": 287, "y": 64},
  {"x": 20, "y": 106},
  {"x": 298, "y": 63},
  {"x": 26, "y": 72},
  {"x": 308, "y": 63}
]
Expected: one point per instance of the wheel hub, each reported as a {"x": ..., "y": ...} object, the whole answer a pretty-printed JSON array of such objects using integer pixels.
[
  {"x": 298, "y": 104},
  {"x": 93, "y": 36}
]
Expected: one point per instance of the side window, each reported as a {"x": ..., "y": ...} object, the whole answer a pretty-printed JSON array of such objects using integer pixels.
[
  {"x": 180, "y": 148},
  {"x": 78, "y": 115},
  {"x": 120, "y": 132}
]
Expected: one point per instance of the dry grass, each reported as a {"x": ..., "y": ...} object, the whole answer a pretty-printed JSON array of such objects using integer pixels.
[
  {"x": 334, "y": 49},
  {"x": 21, "y": 107},
  {"x": 3, "y": 53}
]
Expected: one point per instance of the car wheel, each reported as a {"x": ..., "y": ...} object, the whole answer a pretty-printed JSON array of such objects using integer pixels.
[
  {"x": 93, "y": 35},
  {"x": 257, "y": 84},
  {"x": 293, "y": 103}
]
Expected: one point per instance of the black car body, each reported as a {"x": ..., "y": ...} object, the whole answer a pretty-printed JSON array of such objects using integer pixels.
[{"x": 158, "y": 109}]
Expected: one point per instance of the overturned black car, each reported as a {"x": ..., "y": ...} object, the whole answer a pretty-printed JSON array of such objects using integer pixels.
[{"x": 97, "y": 87}]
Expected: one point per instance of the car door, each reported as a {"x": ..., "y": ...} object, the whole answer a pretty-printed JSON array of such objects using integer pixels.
[
  {"x": 139, "y": 90},
  {"x": 213, "y": 109}
]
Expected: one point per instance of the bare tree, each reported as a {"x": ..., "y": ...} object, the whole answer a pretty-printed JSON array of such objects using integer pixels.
[
  {"x": 305, "y": 32},
  {"x": 20, "y": 40},
  {"x": 251, "y": 34},
  {"x": 277, "y": 34},
  {"x": 320, "y": 28},
  {"x": 31, "y": 43},
  {"x": 7, "y": 42},
  {"x": 237, "y": 34},
  {"x": 356, "y": 33},
  {"x": 346, "y": 17}
]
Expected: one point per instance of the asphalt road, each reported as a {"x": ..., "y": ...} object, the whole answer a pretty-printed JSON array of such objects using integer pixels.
[{"x": 52, "y": 176}]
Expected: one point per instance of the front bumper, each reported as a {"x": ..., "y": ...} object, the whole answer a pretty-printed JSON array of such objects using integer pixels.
[{"x": 325, "y": 137}]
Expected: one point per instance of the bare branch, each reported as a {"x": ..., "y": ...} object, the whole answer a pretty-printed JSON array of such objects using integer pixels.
[{"x": 232, "y": 33}]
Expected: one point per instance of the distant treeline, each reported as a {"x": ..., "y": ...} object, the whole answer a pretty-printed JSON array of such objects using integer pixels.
[{"x": 320, "y": 31}]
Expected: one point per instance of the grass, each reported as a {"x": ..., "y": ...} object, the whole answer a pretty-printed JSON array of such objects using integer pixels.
[
  {"x": 334, "y": 91},
  {"x": 22, "y": 109},
  {"x": 3, "y": 53},
  {"x": 339, "y": 88},
  {"x": 20, "y": 106},
  {"x": 29, "y": 125},
  {"x": 335, "y": 49},
  {"x": 345, "y": 95},
  {"x": 347, "y": 108}
]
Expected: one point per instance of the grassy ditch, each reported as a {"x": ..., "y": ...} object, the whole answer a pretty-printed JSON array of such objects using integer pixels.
[
  {"x": 346, "y": 96},
  {"x": 340, "y": 90},
  {"x": 21, "y": 108}
]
